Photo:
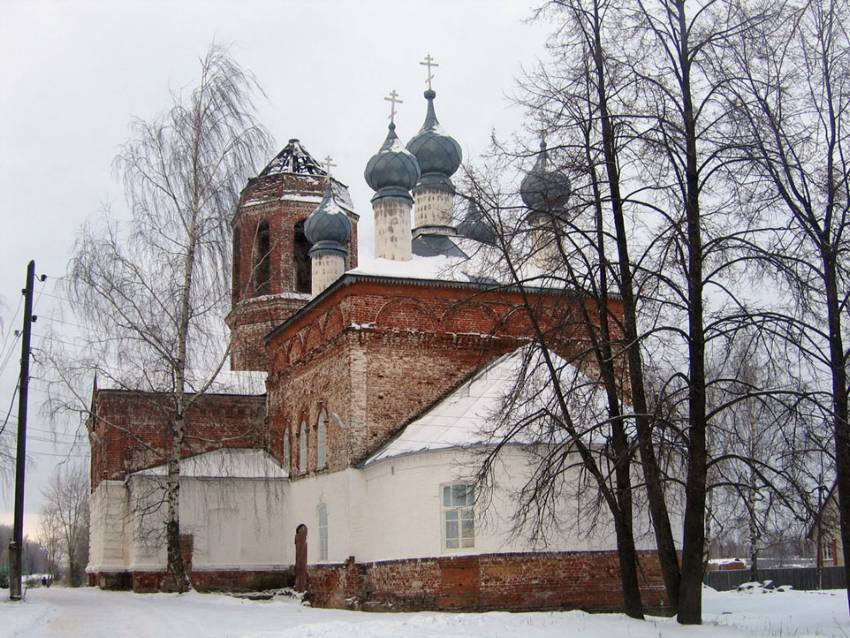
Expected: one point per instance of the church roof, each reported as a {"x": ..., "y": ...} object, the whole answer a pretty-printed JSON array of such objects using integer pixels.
[
  {"x": 226, "y": 463},
  {"x": 433, "y": 245},
  {"x": 468, "y": 417},
  {"x": 294, "y": 158}
]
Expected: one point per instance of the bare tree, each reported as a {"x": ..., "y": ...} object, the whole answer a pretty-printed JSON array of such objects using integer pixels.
[
  {"x": 67, "y": 513},
  {"x": 153, "y": 292},
  {"x": 51, "y": 537},
  {"x": 791, "y": 100},
  {"x": 636, "y": 107}
]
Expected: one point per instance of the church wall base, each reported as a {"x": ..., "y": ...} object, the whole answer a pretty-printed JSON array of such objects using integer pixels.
[
  {"x": 202, "y": 581},
  {"x": 517, "y": 582}
]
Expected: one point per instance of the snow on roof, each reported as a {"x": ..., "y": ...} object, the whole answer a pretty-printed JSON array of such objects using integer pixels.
[
  {"x": 467, "y": 267},
  {"x": 468, "y": 416},
  {"x": 415, "y": 268},
  {"x": 480, "y": 263},
  {"x": 227, "y": 463}
]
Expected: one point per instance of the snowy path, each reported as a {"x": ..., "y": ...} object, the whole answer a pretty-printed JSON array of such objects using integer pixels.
[{"x": 94, "y": 614}]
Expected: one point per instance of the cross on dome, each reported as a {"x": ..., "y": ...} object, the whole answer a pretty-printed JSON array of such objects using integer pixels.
[
  {"x": 429, "y": 62},
  {"x": 392, "y": 98},
  {"x": 329, "y": 164}
]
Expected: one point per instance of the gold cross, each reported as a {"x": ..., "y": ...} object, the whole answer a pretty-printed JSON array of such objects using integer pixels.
[
  {"x": 429, "y": 62},
  {"x": 392, "y": 98},
  {"x": 329, "y": 164}
]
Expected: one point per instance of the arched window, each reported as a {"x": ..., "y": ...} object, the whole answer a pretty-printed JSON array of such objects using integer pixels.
[
  {"x": 303, "y": 278},
  {"x": 322, "y": 511},
  {"x": 237, "y": 255},
  {"x": 286, "y": 453},
  {"x": 322, "y": 442},
  {"x": 262, "y": 260},
  {"x": 302, "y": 449}
]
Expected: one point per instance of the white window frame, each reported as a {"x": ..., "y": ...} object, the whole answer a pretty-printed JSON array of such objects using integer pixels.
[
  {"x": 322, "y": 442},
  {"x": 827, "y": 549},
  {"x": 303, "y": 457},
  {"x": 322, "y": 514},
  {"x": 453, "y": 510},
  {"x": 287, "y": 451}
]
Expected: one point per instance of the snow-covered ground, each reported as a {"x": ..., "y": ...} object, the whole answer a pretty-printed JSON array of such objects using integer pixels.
[{"x": 93, "y": 613}]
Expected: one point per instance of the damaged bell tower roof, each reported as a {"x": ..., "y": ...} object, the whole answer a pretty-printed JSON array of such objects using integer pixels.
[{"x": 294, "y": 158}]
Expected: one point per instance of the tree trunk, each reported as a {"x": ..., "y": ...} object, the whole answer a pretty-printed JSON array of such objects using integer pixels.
[
  {"x": 176, "y": 567},
  {"x": 693, "y": 545},
  {"x": 839, "y": 409},
  {"x": 652, "y": 476},
  {"x": 632, "y": 603}
]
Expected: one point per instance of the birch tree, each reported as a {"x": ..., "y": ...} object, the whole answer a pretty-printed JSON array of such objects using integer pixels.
[{"x": 153, "y": 290}]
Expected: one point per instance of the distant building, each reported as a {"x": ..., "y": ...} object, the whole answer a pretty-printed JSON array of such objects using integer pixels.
[{"x": 828, "y": 522}]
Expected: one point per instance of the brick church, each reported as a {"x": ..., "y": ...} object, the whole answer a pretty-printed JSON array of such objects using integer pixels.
[{"x": 373, "y": 384}]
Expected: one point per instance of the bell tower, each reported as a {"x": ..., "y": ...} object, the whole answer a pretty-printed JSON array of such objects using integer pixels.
[{"x": 271, "y": 262}]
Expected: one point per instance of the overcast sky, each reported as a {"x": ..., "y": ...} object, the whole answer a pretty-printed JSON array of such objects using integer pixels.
[{"x": 72, "y": 74}]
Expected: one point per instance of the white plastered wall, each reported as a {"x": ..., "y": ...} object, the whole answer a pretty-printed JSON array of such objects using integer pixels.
[
  {"x": 342, "y": 493},
  {"x": 392, "y": 228},
  {"x": 408, "y": 522},
  {"x": 326, "y": 269},
  {"x": 392, "y": 510},
  {"x": 433, "y": 207},
  {"x": 108, "y": 522},
  {"x": 389, "y": 510},
  {"x": 236, "y": 523}
]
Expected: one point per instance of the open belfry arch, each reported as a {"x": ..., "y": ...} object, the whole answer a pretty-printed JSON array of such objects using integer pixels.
[{"x": 271, "y": 262}]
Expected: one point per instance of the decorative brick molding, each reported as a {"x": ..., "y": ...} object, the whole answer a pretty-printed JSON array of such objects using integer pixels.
[{"x": 517, "y": 582}]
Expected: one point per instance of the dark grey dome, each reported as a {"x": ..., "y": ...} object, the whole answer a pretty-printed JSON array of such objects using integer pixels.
[
  {"x": 544, "y": 190},
  {"x": 474, "y": 226},
  {"x": 438, "y": 154},
  {"x": 392, "y": 167},
  {"x": 329, "y": 222}
]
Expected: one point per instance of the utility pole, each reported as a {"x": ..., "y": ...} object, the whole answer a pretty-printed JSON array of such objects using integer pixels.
[
  {"x": 819, "y": 561},
  {"x": 17, "y": 543}
]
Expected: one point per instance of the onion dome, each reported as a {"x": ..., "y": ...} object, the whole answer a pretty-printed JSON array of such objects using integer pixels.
[
  {"x": 439, "y": 155},
  {"x": 474, "y": 226},
  {"x": 544, "y": 190},
  {"x": 393, "y": 170},
  {"x": 328, "y": 227}
]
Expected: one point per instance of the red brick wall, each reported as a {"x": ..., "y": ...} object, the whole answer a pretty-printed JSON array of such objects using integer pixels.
[
  {"x": 322, "y": 384},
  {"x": 378, "y": 354},
  {"x": 250, "y": 322},
  {"x": 552, "y": 580},
  {"x": 203, "y": 581},
  {"x": 130, "y": 431}
]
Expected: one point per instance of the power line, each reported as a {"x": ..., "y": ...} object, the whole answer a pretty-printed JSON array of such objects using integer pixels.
[
  {"x": 57, "y": 454},
  {"x": 12, "y": 323},
  {"x": 7, "y": 357},
  {"x": 9, "y": 411}
]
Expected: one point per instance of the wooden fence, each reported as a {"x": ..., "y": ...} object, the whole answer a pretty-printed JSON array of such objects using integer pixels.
[{"x": 804, "y": 578}]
